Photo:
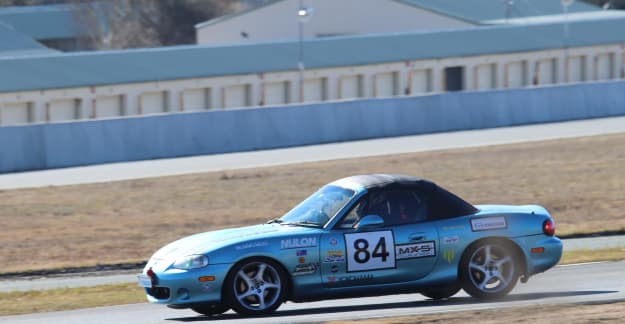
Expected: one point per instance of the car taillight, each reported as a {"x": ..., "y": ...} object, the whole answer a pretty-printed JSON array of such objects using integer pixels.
[{"x": 549, "y": 228}]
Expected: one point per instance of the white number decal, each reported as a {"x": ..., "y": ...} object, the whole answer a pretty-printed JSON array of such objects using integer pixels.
[{"x": 370, "y": 251}]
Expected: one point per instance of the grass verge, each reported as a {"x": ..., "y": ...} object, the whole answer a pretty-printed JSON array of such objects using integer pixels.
[
  {"x": 581, "y": 256},
  {"x": 14, "y": 303},
  {"x": 579, "y": 180},
  {"x": 18, "y": 302}
]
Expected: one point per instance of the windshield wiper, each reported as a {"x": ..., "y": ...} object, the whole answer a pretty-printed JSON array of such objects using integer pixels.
[
  {"x": 275, "y": 220},
  {"x": 304, "y": 223}
]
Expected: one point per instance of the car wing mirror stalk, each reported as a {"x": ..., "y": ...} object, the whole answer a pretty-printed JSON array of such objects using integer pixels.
[{"x": 369, "y": 222}]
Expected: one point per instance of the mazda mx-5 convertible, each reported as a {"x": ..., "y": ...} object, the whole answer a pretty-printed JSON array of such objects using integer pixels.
[{"x": 358, "y": 236}]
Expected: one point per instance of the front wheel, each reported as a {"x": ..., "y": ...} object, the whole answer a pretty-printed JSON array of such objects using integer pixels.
[
  {"x": 255, "y": 287},
  {"x": 441, "y": 292},
  {"x": 210, "y": 310},
  {"x": 489, "y": 270}
]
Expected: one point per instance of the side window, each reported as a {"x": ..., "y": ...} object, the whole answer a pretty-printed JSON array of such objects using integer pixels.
[
  {"x": 374, "y": 203},
  {"x": 405, "y": 207},
  {"x": 380, "y": 205},
  {"x": 354, "y": 215},
  {"x": 396, "y": 207}
]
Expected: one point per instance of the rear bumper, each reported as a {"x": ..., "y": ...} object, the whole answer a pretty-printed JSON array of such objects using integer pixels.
[{"x": 541, "y": 253}]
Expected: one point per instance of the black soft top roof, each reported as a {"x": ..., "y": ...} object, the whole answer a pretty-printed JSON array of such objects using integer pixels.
[
  {"x": 381, "y": 181},
  {"x": 441, "y": 203}
]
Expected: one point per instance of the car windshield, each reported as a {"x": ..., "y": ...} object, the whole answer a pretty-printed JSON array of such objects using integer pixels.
[{"x": 319, "y": 207}]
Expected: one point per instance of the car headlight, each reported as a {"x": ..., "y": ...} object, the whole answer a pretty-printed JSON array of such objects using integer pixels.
[{"x": 189, "y": 262}]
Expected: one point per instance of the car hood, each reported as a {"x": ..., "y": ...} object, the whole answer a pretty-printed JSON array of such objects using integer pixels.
[{"x": 203, "y": 243}]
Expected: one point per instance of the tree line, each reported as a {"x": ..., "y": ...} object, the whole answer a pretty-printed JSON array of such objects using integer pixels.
[{"x": 118, "y": 24}]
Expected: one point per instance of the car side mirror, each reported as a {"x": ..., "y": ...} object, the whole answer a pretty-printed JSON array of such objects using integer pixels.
[{"x": 369, "y": 222}]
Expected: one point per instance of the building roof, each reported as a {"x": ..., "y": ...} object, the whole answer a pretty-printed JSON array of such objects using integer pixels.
[
  {"x": 42, "y": 22},
  {"x": 473, "y": 11},
  {"x": 79, "y": 69},
  {"x": 477, "y": 11},
  {"x": 13, "y": 43},
  {"x": 235, "y": 14},
  {"x": 560, "y": 18}
]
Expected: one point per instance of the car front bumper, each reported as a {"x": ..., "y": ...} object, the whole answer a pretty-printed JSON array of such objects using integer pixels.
[{"x": 181, "y": 287}]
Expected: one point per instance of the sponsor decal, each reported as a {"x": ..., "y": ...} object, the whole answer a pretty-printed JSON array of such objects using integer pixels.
[
  {"x": 251, "y": 245},
  {"x": 451, "y": 239},
  {"x": 334, "y": 269},
  {"x": 350, "y": 278},
  {"x": 334, "y": 241},
  {"x": 337, "y": 253},
  {"x": 299, "y": 242},
  {"x": 452, "y": 228},
  {"x": 333, "y": 259},
  {"x": 449, "y": 255},
  {"x": 488, "y": 223},
  {"x": 415, "y": 250},
  {"x": 301, "y": 252},
  {"x": 334, "y": 256},
  {"x": 305, "y": 269}
]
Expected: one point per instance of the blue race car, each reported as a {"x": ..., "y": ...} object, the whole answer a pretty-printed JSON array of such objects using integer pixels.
[{"x": 358, "y": 236}]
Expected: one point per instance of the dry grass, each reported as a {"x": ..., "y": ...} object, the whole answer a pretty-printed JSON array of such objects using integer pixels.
[
  {"x": 580, "y": 181},
  {"x": 14, "y": 303},
  {"x": 581, "y": 256}
]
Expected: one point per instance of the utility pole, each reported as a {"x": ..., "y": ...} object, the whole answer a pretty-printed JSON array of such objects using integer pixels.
[
  {"x": 303, "y": 14},
  {"x": 565, "y": 9}
]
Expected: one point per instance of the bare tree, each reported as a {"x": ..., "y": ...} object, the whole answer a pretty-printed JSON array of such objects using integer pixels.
[
  {"x": 7, "y": 3},
  {"x": 116, "y": 24}
]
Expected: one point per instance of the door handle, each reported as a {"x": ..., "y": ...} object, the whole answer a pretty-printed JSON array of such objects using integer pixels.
[{"x": 416, "y": 237}]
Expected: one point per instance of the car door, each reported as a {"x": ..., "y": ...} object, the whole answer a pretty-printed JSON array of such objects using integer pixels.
[{"x": 400, "y": 250}]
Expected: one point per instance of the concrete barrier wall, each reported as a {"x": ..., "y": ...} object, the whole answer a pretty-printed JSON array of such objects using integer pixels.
[{"x": 44, "y": 146}]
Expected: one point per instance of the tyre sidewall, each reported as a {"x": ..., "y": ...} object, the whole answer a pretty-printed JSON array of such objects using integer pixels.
[
  {"x": 441, "y": 292},
  {"x": 465, "y": 279},
  {"x": 230, "y": 295},
  {"x": 210, "y": 310}
]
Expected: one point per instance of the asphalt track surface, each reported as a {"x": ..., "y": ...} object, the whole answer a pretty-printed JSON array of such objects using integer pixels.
[
  {"x": 582, "y": 283},
  {"x": 374, "y": 147}
]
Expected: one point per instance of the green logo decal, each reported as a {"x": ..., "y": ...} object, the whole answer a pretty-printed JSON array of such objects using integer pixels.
[{"x": 449, "y": 255}]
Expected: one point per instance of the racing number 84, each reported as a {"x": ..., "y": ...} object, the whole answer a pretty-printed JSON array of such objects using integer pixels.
[
  {"x": 362, "y": 254},
  {"x": 370, "y": 251}
]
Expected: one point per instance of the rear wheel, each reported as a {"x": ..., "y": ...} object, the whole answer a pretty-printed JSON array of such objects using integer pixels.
[
  {"x": 256, "y": 286},
  {"x": 441, "y": 292},
  {"x": 210, "y": 310},
  {"x": 489, "y": 269}
]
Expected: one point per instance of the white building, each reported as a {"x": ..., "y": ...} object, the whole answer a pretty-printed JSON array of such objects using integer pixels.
[
  {"x": 80, "y": 86},
  {"x": 279, "y": 20}
]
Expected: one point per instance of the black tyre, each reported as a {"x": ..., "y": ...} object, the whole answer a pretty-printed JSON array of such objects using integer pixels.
[
  {"x": 256, "y": 286},
  {"x": 210, "y": 310},
  {"x": 441, "y": 292},
  {"x": 489, "y": 269}
]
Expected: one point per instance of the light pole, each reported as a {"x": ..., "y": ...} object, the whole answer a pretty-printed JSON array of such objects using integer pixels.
[
  {"x": 509, "y": 4},
  {"x": 565, "y": 9},
  {"x": 303, "y": 15}
]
